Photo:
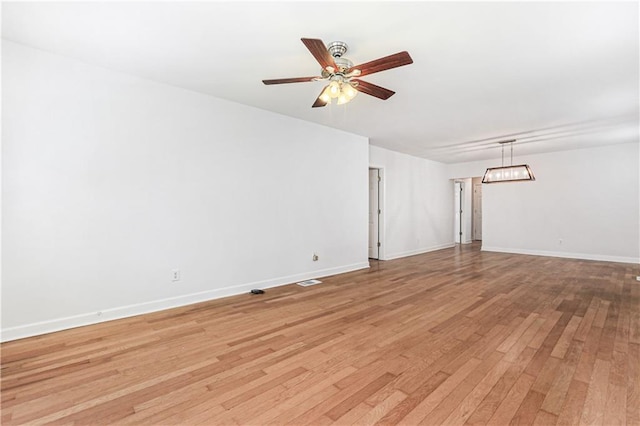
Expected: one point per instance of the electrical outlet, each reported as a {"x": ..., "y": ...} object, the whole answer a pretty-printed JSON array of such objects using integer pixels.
[
  {"x": 315, "y": 257},
  {"x": 175, "y": 275}
]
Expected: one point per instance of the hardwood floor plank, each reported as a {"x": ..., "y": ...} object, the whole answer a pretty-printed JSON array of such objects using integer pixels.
[
  {"x": 355, "y": 413},
  {"x": 485, "y": 410},
  {"x": 455, "y": 336},
  {"x": 354, "y": 393},
  {"x": 468, "y": 405},
  {"x": 258, "y": 390},
  {"x": 423, "y": 391},
  {"x": 512, "y": 401},
  {"x": 565, "y": 339},
  {"x": 301, "y": 403},
  {"x": 559, "y": 389},
  {"x": 545, "y": 419},
  {"x": 588, "y": 357},
  {"x": 380, "y": 410},
  {"x": 457, "y": 395},
  {"x": 420, "y": 412},
  {"x": 595, "y": 401},
  {"x": 616, "y": 406},
  {"x": 359, "y": 396},
  {"x": 544, "y": 331},
  {"x": 515, "y": 335},
  {"x": 587, "y": 320},
  {"x": 633, "y": 384},
  {"x": 528, "y": 410},
  {"x": 572, "y": 409}
]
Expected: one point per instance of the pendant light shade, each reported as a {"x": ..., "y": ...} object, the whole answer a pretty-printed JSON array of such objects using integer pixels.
[{"x": 510, "y": 173}]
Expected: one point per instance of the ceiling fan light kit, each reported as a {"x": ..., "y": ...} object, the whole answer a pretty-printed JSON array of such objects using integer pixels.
[
  {"x": 340, "y": 73},
  {"x": 338, "y": 89},
  {"x": 521, "y": 172}
]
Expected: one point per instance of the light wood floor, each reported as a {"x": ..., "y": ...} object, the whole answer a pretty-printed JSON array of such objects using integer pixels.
[{"x": 456, "y": 336}]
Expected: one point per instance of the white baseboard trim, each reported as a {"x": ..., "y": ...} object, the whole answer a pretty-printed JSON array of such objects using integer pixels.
[
  {"x": 418, "y": 251},
  {"x": 58, "y": 324},
  {"x": 568, "y": 255}
]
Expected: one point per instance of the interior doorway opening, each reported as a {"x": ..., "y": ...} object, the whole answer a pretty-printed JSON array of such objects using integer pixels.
[
  {"x": 467, "y": 195},
  {"x": 375, "y": 213}
]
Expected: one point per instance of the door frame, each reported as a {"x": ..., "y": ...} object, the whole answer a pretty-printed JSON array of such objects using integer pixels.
[
  {"x": 476, "y": 206},
  {"x": 458, "y": 210},
  {"x": 381, "y": 207},
  {"x": 466, "y": 200}
]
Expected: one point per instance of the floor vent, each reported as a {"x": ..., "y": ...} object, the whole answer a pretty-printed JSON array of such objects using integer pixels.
[{"x": 307, "y": 283}]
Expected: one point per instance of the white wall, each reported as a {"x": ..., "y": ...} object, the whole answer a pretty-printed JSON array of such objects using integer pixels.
[
  {"x": 417, "y": 204},
  {"x": 110, "y": 182},
  {"x": 583, "y": 204}
]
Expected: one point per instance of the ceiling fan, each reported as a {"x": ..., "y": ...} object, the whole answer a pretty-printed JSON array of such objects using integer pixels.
[{"x": 342, "y": 74}]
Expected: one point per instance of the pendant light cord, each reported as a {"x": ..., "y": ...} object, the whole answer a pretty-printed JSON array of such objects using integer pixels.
[{"x": 511, "y": 153}]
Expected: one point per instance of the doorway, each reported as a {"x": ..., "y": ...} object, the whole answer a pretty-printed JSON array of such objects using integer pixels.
[
  {"x": 463, "y": 210},
  {"x": 375, "y": 211},
  {"x": 467, "y": 196}
]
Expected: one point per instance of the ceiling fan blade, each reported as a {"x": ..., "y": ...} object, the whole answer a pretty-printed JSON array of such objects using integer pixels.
[
  {"x": 289, "y": 80},
  {"x": 392, "y": 61},
  {"x": 373, "y": 90},
  {"x": 320, "y": 52},
  {"x": 319, "y": 102}
]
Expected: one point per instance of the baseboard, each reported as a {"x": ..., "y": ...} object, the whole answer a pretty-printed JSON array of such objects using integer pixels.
[
  {"x": 59, "y": 324},
  {"x": 418, "y": 251},
  {"x": 567, "y": 255}
]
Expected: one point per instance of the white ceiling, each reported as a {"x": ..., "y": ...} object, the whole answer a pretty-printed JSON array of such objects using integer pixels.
[{"x": 555, "y": 76}]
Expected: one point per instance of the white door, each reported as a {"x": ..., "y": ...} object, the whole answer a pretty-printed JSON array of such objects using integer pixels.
[
  {"x": 374, "y": 213},
  {"x": 458, "y": 201},
  {"x": 477, "y": 211}
]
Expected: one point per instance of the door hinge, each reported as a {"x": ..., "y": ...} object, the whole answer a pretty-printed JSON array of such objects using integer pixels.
[
  {"x": 379, "y": 178},
  {"x": 379, "y": 211},
  {"x": 378, "y": 243}
]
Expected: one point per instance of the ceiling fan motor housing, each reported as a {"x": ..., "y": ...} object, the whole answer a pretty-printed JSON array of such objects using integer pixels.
[{"x": 337, "y": 48}]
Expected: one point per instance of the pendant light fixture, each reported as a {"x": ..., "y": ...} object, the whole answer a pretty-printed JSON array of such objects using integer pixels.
[{"x": 510, "y": 173}]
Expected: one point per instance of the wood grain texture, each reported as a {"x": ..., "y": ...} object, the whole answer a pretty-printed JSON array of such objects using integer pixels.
[{"x": 456, "y": 336}]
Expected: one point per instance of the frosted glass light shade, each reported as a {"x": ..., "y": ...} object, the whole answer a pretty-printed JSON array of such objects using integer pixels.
[
  {"x": 508, "y": 174},
  {"x": 326, "y": 95},
  {"x": 334, "y": 89},
  {"x": 349, "y": 91}
]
